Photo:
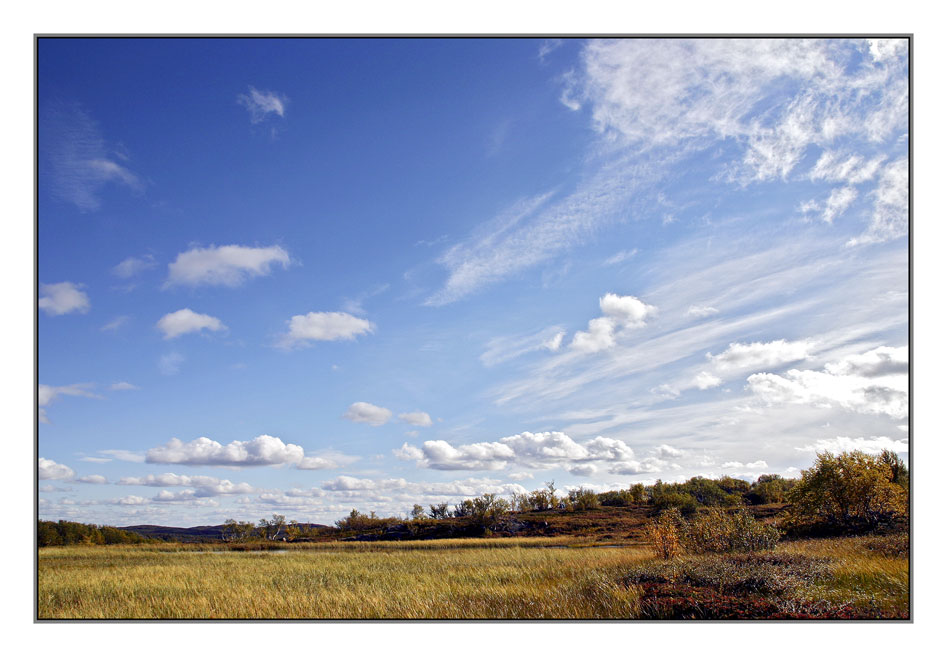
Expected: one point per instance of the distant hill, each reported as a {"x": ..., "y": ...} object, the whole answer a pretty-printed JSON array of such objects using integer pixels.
[{"x": 199, "y": 534}]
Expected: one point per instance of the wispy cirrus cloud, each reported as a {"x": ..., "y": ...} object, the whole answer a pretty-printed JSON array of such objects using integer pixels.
[
  {"x": 46, "y": 395},
  {"x": 262, "y": 104},
  {"x": 228, "y": 266},
  {"x": 75, "y": 160}
]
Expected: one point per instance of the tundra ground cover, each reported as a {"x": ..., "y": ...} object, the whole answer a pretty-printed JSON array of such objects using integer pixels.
[{"x": 473, "y": 578}]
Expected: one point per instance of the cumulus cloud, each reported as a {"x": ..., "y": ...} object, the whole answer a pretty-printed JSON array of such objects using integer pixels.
[
  {"x": 541, "y": 450},
  {"x": 739, "y": 356},
  {"x": 668, "y": 452},
  {"x": 874, "y": 382},
  {"x": 261, "y": 104},
  {"x": 755, "y": 465},
  {"x": 324, "y": 326},
  {"x": 49, "y": 469},
  {"x": 132, "y": 266},
  {"x": 187, "y": 321},
  {"x": 706, "y": 380},
  {"x": 872, "y": 445},
  {"x": 204, "y": 486},
  {"x": 416, "y": 418},
  {"x": 74, "y": 158},
  {"x": 63, "y": 298},
  {"x": 229, "y": 265},
  {"x": 92, "y": 479},
  {"x": 366, "y": 413},
  {"x": 262, "y": 450},
  {"x": 620, "y": 312}
]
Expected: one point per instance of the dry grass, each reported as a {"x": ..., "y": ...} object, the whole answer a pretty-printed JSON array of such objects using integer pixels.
[
  {"x": 466, "y": 578},
  {"x": 499, "y": 578}
]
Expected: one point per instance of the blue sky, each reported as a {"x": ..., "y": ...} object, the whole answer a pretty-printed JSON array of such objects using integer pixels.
[{"x": 302, "y": 276}]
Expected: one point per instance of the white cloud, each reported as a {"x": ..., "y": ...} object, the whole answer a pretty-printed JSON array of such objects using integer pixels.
[
  {"x": 187, "y": 321},
  {"x": 668, "y": 452},
  {"x": 170, "y": 364},
  {"x": 94, "y": 459},
  {"x": 204, "y": 486},
  {"x": 46, "y": 395},
  {"x": 874, "y": 383},
  {"x": 63, "y": 298},
  {"x": 116, "y": 323},
  {"x": 74, "y": 159},
  {"x": 368, "y": 414},
  {"x": 229, "y": 265},
  {"x": 262, "y": 450},
  {"x": 838, "y": 202},
  {"x": 836, "y": 167},
  {"x": 416, "y": 418},
  {"x": 124, "y": 455},
  {"x": 323, "y": 327},
  {"x": 701, "y": 311},
  {"x": 131, "y": 500},
  {"x": 133, "y": 266},
  {"x": 261, "y": 104},
  {"x": 502, "y": 349},
  {"x": 532, "y": 450},
  {"x": 92, "y": 479},
  {"x": 889, "y": 219},
  {"x": 706, "y": 380},
  {"x": 755, "y": 465},
  {"x": 49, "y": 469},
  {"x": 873, "y": 445},
  {"x": 620, "y": 257},
  {"x": 123, "y": 385},
  {"x": 620, "y": 312},
  {"x": 739, "y": 356}
]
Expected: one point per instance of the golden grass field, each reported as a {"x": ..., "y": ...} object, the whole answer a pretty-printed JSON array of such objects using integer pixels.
[{"x": 525, "y": 578}]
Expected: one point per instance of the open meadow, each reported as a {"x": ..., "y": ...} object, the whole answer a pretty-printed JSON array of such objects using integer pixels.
[{"x": 524, "y": 578}]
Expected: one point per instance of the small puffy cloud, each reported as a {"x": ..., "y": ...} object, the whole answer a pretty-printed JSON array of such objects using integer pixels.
[
  {"x": 229, "y": 265},
  {"x": 123, "y": 385},
  {"x": 416, "y": 418},
  {"x": 63, "y": 298},
  {"x": 441, "y": 455},
  {"x": 520, "y": 476},
  {"x": 187, "y": 321},
  {"x": 323, "y": 326},
  {"x": 262, "y": 450},
  {"x": 701, "y": 311},
  {"x": 706, "y": 380},
  {"x": 740, "y": 356},
  {"x": 131, "y": 500},
  {"x": 49, "y": 469},
  {"x": 553, "y": 343},
  {"x": 754, "y": 465},
  {"x": 618, "y": 312},
  {"x": 130, "y": 267},
  {"x": 668, "y": 452},
  {"x": 408, "y": 453},
  {"x": 261, "y": 104},
  {"x": 583, "y": 470},
  {"x": 366, "y": 413},
  {"x": 170, "y": 364},
  {"x": 92, "y": 479},
  {"x": 627, "y": 311},
  {"x": 873, "y": 445}
]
